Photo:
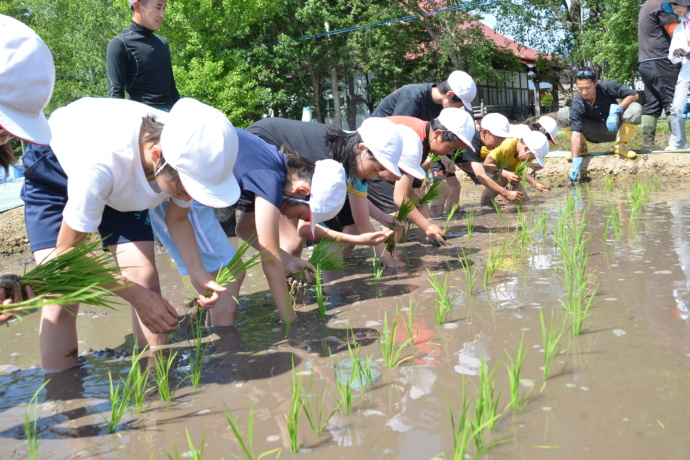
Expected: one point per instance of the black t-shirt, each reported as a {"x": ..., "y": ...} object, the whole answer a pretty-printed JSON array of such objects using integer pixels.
[
  {"x": 608, "y": 92},
  {"x": 410, "y": 100},
  {"x": 305, "y": 139},
  {"x": 652, "y": 37},
  {"x": 139, "y": 62}
]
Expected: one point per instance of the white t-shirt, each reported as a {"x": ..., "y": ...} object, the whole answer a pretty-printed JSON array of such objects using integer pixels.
[
  {"x": 681, "y": 39},
  {"x": 96, "y": 142}
]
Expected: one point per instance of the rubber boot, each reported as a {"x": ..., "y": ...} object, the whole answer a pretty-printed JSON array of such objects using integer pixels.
[
  {"x": 649, "y": 133},
  {"x": 584, "y": 148},
  {"x": 623, "y": 136}
]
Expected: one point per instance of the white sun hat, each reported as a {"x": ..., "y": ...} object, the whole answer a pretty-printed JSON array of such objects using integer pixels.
[
  {"x": 463, "y": 86},
  {"x": 412, "y": 152},
  {"x": 551, "y": 127},
  {"x": 497, "y": 125},
  {"x": 201, "y": 144},
  {"x": 328, "y": 191},
  {"x": 27, "y": 77},
  {"x": 538, "y": 145},
  {"x": 460, "y": 123},
  {"x": 383, "y": 139}
]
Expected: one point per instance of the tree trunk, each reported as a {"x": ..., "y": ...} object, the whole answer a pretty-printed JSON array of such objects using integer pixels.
[
  {"x": 337, "y": 116},
  {"x": 351, "y": 103},
  {"x": 537, "y": 98}
]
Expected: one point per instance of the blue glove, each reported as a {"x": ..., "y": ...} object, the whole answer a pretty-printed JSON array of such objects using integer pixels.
[
  {"x": 686, "y": 109},
  {"x": 612, "y": 120},
  {"x": 575, "y": 170}
]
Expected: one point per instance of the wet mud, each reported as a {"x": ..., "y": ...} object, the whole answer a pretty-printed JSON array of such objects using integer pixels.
[{"x": 617, "y": 390}]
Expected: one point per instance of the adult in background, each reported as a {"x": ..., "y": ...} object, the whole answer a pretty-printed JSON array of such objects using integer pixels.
[
  {"x": 138, "y": 60},
  {"x": 659, "y": 75},
  {"x": 596, "y": 116}
]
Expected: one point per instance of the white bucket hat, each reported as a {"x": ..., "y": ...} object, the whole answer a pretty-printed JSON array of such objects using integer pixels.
[
  {"x": 460, "y": 123},
  {"x": 383, "y": 139},
  {"x": 27, "y": 77},
  {"x": 412, "y": 152},
  {"x": 497, "y": 125},
  {"x": 538, "y": 145},
  {"x": 551, "y": 127},
  {"x": 463, "y": 86},
  {"x": 201, "y": 144},
  {"x": 328, "y": 191}
]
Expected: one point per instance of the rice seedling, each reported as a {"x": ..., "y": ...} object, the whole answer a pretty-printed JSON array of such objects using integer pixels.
[
  {"x": 469, "y": 223},
  {"x": 318, "y": 293},
  {"x": 314, "y": 408},
  {"x": 444, "y": 301},
  {"x": 194, "y": 453},
  {"x": 391, "y": 351},
  {"x": 433, "y": 157},
  {"x": 247, "y": 445},
  {"x": 462, "y": 428},
  {"x": 361, "y": 368},
  {"x": 197, "y": 355},
  {"x": 162, "y": 375},
  {"x": 541, "y": 223},
  {"x": 434, "y": 192},
  {"x": 378, "y": 268},
  {"x": 613, "y": 220},
  {"x": 406, "y": 207},
  {"x": 550, "y": 342},
  {"x": 31, "y": 423},
  {"x": 521, "y": 170},
  {"x": 497, "y": 208},
  {"x": 411, "y": 312},
  {"x": 486, "y": 404},
  {"x": 514, "y": 370},
  {"x": 608, "y": 183},
  {"x": 119, "y": 402},
  {"x": 82, "y": 274},
  {"x": 292, "y": 417},
  {"x": 451, "y": 213},
  {"x": 346, "y": 392},
  {"x": 137, "y": 379},
  {"x": 580, "y": 312},
  {"x": 656, "y": 181},
  {"x": 471, "y": 274}
]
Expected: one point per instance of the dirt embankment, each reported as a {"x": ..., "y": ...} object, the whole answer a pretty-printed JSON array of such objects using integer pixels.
[{"x": 671, "y": 165}]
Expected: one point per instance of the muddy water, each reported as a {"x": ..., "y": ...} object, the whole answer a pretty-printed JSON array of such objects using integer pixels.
[{"x": 619, "y": 390}]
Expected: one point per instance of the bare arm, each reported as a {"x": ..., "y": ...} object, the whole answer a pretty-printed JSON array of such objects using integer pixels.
[
  {"x": 360, "y": 214},
  {"x": 403, "y": 189},
  {"x": 486, "y": 181},
  {"x": 629, "y": 100}
]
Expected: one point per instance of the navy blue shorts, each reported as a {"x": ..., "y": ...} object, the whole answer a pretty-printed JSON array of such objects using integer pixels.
[{"x": 45, "y": 196}]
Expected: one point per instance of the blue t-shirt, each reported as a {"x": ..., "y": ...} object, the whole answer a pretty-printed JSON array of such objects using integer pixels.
[{"x": 260, "y": 169}]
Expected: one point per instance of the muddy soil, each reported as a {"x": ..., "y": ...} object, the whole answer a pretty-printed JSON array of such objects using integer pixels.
[{"x": 618, "y": 390}]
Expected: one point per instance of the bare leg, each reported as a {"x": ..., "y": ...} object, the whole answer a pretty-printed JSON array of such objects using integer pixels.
[
  {"x": 138, "y": 261},
  {"x": 57, "y": 333},
  {"x": 290, "y": 241},
  {"x": 436, "y": 206},
  {"x": 224, "y": 313},
  {"x": 453, "y": 196}
]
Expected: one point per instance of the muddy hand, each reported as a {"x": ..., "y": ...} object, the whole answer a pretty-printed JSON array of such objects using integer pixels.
[
  {"x": 155, "y": 312},
  {"x": 436, "y": 235}
]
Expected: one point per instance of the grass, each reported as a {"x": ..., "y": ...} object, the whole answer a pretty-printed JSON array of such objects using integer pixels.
[
  {"x": 119, "y": 403},
  {"x": 514, "y": 370},
  {"x": 247, "y": 444},
  {"x": 162, "y": 375},
  {"x": 469, "y": 223},
  {"x": 31, "y": 423},
  {"x": 318, "y": 293},
  {"x": 83, "y": 274},
  {"x": 292, "y": 417},
  {"x": 550, "y": 343},
  {"x": 391, "y": 351},
  {"x": 451, "y": 213},
  {"x": 470, "y": 273},
  {"x": 444, "y": 300},
  {"x": 194, "y": 453},
  {"x": 197, "y": 355},
  {"x": 314, "y": 406}
]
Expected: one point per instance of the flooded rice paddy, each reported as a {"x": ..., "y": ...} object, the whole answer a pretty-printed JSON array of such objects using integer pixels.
[{"x": 619, "y": 389}]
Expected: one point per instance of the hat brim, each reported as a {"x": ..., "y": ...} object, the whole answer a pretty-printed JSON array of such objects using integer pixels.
[
  {"x": 387, "y": 164},
  {"x": 416, "y": 172},
  {"x": 666, "y": 6},
  {"x": 35, "y": 130},
  {"x": 468, "y": 143},
  {"x": 467, "y": 104},
  {"x": 219, "y": 195}
]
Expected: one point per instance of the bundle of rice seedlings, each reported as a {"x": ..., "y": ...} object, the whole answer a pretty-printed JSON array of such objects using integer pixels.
[
  {"x": 432, "y": 193},
  {"x": 501, "y": 164},
  {"x": 434, "y": 158},
  {"x": 83, "y": 274},
  {"x": 406, "y": 207},
  {"x": 327, "y": 257},
  {"x": 521, "y": 171}
]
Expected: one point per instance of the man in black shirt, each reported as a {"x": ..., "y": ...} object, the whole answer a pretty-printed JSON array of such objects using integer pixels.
[
  {"x": 138, "y": 60},
  {"x": 597, "y": 116},
  {"x": 655, "y": 28}
]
